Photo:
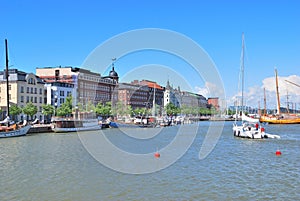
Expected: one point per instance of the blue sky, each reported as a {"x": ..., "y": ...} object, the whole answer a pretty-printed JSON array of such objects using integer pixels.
[{"x": 53, "y": 33}]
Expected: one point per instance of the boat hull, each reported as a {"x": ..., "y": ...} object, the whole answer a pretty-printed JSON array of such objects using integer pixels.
[
  {"x": 15, "y": 133},
  {"x": 252, "y": 133},
  {"x": 64, "y": 130},
  {"x": 273, "y": 120}
]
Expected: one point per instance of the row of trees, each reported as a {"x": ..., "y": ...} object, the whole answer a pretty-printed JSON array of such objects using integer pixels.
[
  {"x": 170, "y": 109},
  {"x": 106, "y": 110},
  {"x": 29, "y": 110}
]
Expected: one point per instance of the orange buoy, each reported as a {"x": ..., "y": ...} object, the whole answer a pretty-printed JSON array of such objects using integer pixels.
[
  {"x": 157, "y": 154},
  {"x": 278, "y": 152}
]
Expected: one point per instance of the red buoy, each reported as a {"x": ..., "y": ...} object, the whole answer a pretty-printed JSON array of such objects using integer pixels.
[
  {"x": 157, "y": 154},
  {"x": 262, "y": 129},
  {"x": 278, "y": 152}
]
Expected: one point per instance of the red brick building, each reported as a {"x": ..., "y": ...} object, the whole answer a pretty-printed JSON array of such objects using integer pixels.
[{"x": 214, "y": 102}]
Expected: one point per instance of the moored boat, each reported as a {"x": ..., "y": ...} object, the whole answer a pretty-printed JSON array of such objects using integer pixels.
[
  {"x": 13, "y": 130},
  {"x": 249, "y": 127},
  {"x": 9, "y": 128},
  {"x": 59, "y": 124},
  {"x": 280, "y": 118}
]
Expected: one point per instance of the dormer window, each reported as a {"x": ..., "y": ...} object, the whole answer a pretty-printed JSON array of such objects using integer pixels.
[{"x": 31, "y": 81}]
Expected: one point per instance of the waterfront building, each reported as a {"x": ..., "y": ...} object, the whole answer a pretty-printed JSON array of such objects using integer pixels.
[
  {"x": 193, "y": 100},
  {"x": 172, "y": 95},
  {"x": 57, "y": 92},
  {"x": 133, "y": 95},
  {"x": 214, "y": 101},
  {"x": 88, "y": 87},
  {"x": 140, "y": 94},
  {"x": 154, "y": 90},
  {"x": 23, "y": 88},
  {"x": 180, "y": 98}
]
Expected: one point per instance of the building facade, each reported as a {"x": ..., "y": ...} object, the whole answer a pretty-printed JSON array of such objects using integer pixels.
[
  {"x": 23, "y": 88},
  {"x": 172, "y": 95},
  {"x": 57, "y": 92},
  {"x": 214, "y": 102},
  {"x": 193, "y": 100},
  {"x": 133, "y": 95},
  {"x": 88, "y": 87},
  {"x": 155, "y": 92}
]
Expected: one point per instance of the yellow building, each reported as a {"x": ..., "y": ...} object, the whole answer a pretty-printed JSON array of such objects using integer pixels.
[{"x": 23, "y": 88}]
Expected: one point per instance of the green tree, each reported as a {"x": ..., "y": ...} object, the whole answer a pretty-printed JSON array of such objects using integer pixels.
[
  {"x": 90, "y": 106},
  {"x": 30, "y": 109},
  {"x": 128, "y": 110},
  {"x": 103, "y": 110},
  {"x": 171, "y": 109},
  {"x": 204, "y": 111},
  {"x": 15, "y": 110},
  {"x": 48, "y": 110},
  {"x": 118, "y": 109},
  {"x": 65, "y": 109},
  {"x": 138, "y": 111}
]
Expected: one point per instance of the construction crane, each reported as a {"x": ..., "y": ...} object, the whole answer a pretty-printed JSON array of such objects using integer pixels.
[{"x": 292, "y": 83}]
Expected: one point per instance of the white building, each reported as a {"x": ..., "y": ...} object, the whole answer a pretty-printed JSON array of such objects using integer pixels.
[
  {"x": 57, "y": 92},
  {"x": 172, "y": 95}
]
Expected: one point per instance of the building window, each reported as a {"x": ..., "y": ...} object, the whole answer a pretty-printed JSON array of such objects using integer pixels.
[
  {"x": 27, "y": 99},
  {"x": 9, "y": 87},
  {"x": 62, "y": 100},
  {"x": 31, "y": 99},
  {"x": 22, "y": 99},
  {"x": 41, "y": 100},
  {"x": 27, "y": 89},
  {"x": 31, "y": 90},
  {"x": 56, "y": 73},
  {"x": 35, "y": 99},
  {"x": 62, "y": 93},
  {"x": 22, "y": 89},
  {"x": 41, "y": 91},
  {"x": 35, "y": 90},
  {"x": 9, "y": 96}
]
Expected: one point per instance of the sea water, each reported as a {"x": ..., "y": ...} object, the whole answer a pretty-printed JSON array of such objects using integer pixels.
[{"x": 51, "y": 166}]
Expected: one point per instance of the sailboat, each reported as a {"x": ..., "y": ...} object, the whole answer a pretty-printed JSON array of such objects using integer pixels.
[
  {"x": 280, "y": 118},
  {"x": 9, "y": 128},
  {"x": 249, "y": 127}
]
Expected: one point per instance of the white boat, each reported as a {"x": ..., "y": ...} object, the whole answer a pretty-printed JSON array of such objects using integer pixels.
[
  {"x": 249, "y": 127},
  {"x": 59, "y": 124},
  {"x": 9, "y": 128}
]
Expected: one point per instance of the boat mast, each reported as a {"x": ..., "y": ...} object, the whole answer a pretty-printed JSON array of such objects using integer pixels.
[
  {"x": 265, "y": 102},
  {"x": 287, "y": 102},
  {"x": 153, "y": 104},
  {"x": 6, "y": 75},
  {"x": 242, "y": 69},
  {"x": 277, "y": 93}
]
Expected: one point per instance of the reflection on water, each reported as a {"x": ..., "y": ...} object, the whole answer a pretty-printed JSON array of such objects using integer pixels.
[{"x": 57, "y": 167}]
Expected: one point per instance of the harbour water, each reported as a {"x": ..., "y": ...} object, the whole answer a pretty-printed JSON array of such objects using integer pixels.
[{"x": 51, "y": 166}]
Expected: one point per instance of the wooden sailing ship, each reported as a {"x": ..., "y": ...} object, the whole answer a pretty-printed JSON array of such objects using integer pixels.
[{"x": 279, "y": 118}]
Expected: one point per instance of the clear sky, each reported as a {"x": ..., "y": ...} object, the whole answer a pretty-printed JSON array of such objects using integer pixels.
[{"x": 65, "y": 32}]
